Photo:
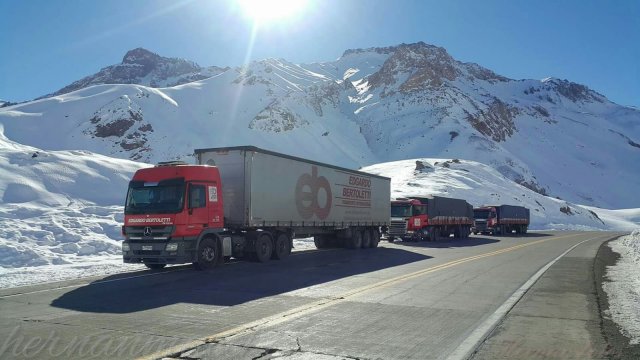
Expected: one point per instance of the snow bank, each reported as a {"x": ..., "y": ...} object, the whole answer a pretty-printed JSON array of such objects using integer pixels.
[
  {"x": 623, "y": 288},
  {"x": 58, "y": 208}
]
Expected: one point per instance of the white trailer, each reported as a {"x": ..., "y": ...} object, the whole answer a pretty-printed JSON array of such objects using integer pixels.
[{"x": 273, "y": 192}]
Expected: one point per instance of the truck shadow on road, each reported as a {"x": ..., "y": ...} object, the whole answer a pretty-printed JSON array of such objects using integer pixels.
[
  {"x": 474, "y": 240},
  {"x": 231, "y": 284},
  {"x": 448, "y": 243}
]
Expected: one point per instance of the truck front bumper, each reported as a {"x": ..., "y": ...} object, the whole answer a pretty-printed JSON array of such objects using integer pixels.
[{"x": 154, "y": 252}]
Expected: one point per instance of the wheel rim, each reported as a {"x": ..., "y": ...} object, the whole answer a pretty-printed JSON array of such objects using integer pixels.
[
  {"x": 263, "y": 247},
  {"x": 208, "y": 254}
]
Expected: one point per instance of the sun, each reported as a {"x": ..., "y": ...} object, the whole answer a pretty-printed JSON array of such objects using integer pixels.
[{"x": 265, "y": 11}]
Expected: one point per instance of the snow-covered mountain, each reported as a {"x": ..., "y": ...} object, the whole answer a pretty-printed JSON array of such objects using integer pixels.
[
  {"x": 369, "y": 106},
  {"x": 143, "y": 67}
]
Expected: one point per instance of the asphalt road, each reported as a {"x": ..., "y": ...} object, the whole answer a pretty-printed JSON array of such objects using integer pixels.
[{"x": 399, "y": 301}]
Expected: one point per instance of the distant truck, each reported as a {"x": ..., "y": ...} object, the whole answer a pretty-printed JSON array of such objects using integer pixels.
[
  {"x": 420, "y": 218},
  {"x": 248, "y": 202},
  {"x": 501, "y": 219}
]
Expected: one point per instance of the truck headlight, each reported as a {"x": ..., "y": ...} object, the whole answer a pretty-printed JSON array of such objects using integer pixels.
[
  {"x": 171, "y": 247},
  {"x": 125, "y": 247}
]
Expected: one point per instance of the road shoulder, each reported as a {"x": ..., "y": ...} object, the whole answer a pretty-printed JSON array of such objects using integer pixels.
[
  {"x": 559, "y": 317},
  {"x": 619, "y": 345}
]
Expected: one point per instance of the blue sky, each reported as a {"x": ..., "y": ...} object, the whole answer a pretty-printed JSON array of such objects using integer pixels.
[{"x": 45, "y": 45}]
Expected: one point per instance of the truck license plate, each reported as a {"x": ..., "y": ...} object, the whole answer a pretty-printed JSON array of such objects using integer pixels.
[{"x": 147, "y": 248}]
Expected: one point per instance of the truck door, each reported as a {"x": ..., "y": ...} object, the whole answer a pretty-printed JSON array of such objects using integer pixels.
[
  {"x": 216, "y": 215},
  {"x": 198, "y": 217}
]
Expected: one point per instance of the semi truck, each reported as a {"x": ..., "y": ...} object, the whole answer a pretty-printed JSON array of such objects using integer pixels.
[
  {"x": 419, "y": 218},
  {"x": 500, "y": 219},
  {"x": 248, "y": 202}
]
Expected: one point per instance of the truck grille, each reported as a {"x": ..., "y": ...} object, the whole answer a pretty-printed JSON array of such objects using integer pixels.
[
  {"x": 153, "y": 232},
  {"x": 398, "y": 227},
  {"x": 480, "y": 225}
]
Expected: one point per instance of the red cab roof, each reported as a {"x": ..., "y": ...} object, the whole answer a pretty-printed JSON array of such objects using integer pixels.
[{"x": 188, "y": 172}]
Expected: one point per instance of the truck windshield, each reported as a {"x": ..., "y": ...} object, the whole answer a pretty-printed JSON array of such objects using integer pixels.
[
  {"x": 400, "y": 210},
  {"x": 154, "y": 198},
  {"x": 481, "y": 214}
]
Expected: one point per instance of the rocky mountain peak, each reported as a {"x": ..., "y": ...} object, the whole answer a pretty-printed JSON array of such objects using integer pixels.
[
  {"x": 144, "y": 67},
  {"x": 141, "y": 56},
  {"x": 573, "y": 91},
  {"x": 427, "y": 66}
]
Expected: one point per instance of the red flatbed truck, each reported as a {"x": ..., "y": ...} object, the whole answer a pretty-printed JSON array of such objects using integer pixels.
[
  {"x": 501, "y": 219},
  {"x": 429, "y": 218}
]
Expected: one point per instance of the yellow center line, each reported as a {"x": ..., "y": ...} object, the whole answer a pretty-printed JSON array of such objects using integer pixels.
[{"x": 328, "y": 302}]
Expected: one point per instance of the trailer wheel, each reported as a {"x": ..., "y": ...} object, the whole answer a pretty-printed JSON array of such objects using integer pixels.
[
  {"x": 375, "y": 238},
  {"x": 154, "y": 266},
  {"x": 264, "y": 248},
  {"x": 433, "y": 234},
  {"x": 282, "y": 247},
  {"x": 355, "y": 241},
  {"x": 366, "y": 239},
  {"x": 320, "y": 241},
  {"x": 208, "y": 255}
]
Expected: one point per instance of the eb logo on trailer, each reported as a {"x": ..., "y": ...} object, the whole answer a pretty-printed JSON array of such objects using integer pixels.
[{"x": 311, "y": 190}]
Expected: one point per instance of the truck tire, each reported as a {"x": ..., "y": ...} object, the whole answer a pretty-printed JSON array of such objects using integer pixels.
[
  {"x": 282, "y": 247},
  {"x": 433, "y": 234},
  {"x": 208, "y": 254},
  {"x": 263, "y": 248},
  {"x": 390, "y": 238},
  {"x": 154, "y": 266},
  {"x": 375, "y": 238},
  {"x": 457, "y": 232},
  {"x": 320, "y": 241},
  {"x": 366, "y": 239},
  {"x": 355, "y": 241}
]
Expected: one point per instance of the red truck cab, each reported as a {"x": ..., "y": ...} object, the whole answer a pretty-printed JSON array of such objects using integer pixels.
[
  {"x": 408, "y": 218},
  {"x": 168, "y": 208}
]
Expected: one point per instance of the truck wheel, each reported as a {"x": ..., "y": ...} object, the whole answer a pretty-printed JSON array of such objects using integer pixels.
[
  {"x": 264, "y": 248},
  {"x": 320, "y": 241},
  {"x": 208, "y": 255},
  {"x": 355, "y": 241},
  {"x": 390, "y": 238},
  {"x": 282, "y": 247},
  {"x": 375, "y": 238},
  {"x": 433, "y": 234},
  {"x": 366, "y": 239},
  {"x": 154, "y": 266}
]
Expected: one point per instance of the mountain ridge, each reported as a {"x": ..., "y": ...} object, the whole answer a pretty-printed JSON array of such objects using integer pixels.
[{"x": 371, "y": 105}]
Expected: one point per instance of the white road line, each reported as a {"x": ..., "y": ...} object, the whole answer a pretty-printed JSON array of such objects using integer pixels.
[{"x": 480, "y": 334}]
